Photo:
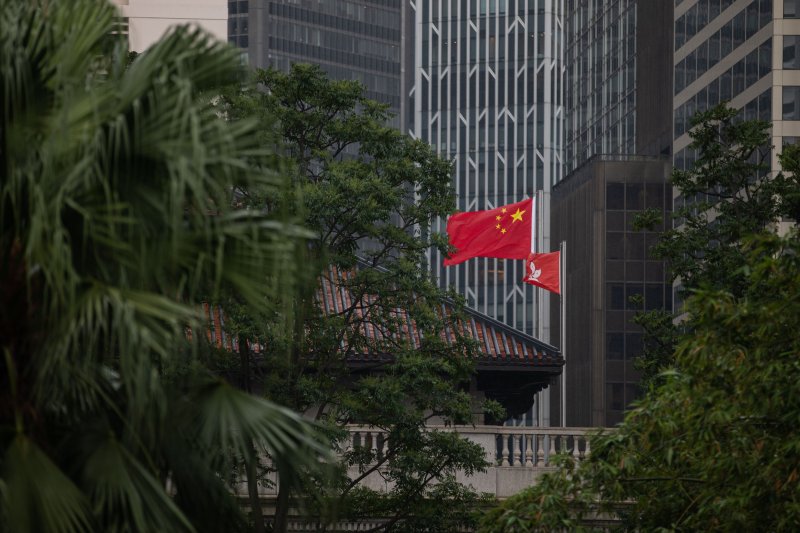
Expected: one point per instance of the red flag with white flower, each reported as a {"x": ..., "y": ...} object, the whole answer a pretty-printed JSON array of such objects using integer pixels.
[{"x": 544, "y": 270}]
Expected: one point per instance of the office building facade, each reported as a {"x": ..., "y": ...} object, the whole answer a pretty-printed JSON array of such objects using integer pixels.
[
  {"x": 487, "y": 95},
  {"x": 619, "y": 132},
  {"x": 731, "y": 50},
  {"x": 601, "y": 97},
  {"x": 350, "y": 39}
]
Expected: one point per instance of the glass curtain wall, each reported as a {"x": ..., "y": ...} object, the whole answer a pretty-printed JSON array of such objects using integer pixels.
[
  {"x": 601, "y": 92},
  {"x": 487, "y": 95}
]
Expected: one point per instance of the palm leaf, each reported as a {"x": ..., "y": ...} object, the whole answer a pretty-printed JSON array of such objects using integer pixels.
[{"x": 39, "y": 497}]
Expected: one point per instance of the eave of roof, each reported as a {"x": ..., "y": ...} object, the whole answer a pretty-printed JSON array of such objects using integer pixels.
[{"x": 501, "y": 347}]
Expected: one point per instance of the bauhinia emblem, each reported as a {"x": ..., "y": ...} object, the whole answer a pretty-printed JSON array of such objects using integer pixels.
[
  {"x": 548, "y": 272},
  {"x": 534, "y": 275}
]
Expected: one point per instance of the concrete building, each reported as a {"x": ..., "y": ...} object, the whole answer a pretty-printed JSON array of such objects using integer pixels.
[
  {"x": 148, "y": 20},
  {"x": 607, "y": 264},
  {"x": 619, "y": 118},
  {"x": 734, "y": 50}
]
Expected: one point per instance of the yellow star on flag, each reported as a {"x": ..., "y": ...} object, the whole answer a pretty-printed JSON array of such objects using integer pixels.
[
  {"x": 497, "y": 226},
  {"x": 517, "y": 216},
  {"x": 503, "y": 230},
  {"x": 503, "y": 210},
  {"x": 498, "y": 217}
]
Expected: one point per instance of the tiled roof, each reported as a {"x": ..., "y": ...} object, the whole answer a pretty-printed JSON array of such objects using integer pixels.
[{"x": 499, "y": 344}]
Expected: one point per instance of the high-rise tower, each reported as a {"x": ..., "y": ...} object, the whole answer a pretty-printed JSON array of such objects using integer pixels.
[
  {"x": 350, "y": 40},
  {"x": 487, "y": 86},
  {"x": 619, "y": 116},
  {"x": 731, "y": 50}
]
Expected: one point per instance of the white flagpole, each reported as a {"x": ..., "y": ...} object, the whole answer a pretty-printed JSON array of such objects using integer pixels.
[
  {"x": 562, "y": 271},
  {"x": 541, "y": 400},
  {"x": 533, "y": 224}
]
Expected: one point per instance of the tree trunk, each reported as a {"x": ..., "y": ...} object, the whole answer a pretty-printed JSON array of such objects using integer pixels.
[
  {"x": 244, "y": 354},
  {"x": 282, "y": 509},
  {"x": 252, "y": 490}
]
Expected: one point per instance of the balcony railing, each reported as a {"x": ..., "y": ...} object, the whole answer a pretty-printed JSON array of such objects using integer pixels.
[{"x": 518, "y": 455}]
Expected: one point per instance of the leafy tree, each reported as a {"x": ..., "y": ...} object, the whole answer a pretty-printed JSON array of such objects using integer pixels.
[
  {"x": 369, "y": 194},
  {"x": 714, "y": 447},
  {"x": 115, "y": 218},
  {"x": 726, "y": 195},
  {"x": 711, "y": 446}
]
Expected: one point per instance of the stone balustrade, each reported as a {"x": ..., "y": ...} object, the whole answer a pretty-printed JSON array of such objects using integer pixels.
[{"x": 517, "y": 455}]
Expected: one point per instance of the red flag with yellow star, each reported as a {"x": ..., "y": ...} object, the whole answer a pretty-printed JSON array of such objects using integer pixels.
[{"x": 504, "y": 232}]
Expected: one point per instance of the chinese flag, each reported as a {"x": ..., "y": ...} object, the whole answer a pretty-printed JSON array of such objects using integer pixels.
[
  {"x": 544, "y": 270},
  {"x": 504, "y": 232}
]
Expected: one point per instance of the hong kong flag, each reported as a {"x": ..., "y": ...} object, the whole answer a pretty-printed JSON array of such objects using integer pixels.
[
  {"x": 544, "y": 270},
  {"x": 504, "y": 232}
]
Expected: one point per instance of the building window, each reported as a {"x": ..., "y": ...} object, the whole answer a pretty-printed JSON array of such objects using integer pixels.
[
  {"x": 633, "y": 346},
  {"x": 615, "y": 345},
  {"x": 616, "y": 296},
  {"x": 790, "y": 8},
  {"x": 615, "y": 196},
  {"x": 616, "y": 396},
  {"x": 791, "y": 47},
  {"x": 791, "y": 103}
]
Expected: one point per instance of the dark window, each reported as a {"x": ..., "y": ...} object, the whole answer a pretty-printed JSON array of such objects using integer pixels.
[
  {"x": 616, "y": 296},
  {"x": 633, "y": 296},
  {"x": 615, "y": 270},
  {"x": 738, "y": 29},
  {"x": 634, "y": 271},
  {"x": 634, "y": 193},
  {"x": 615, "y": 221},
  {"x": 654, "y": 271},
  {"x": 654, "y": 297},
  {"x": 615, "y": 345},
  {"x": 615, "y": 245},
  {"x": 655, "y": 195},
  {"x": 791, "y": 103},
  {"x": 633, "y": 345},
  {"x": 632, "y": 393},
  {"x": 751, "y": 68},
  {"x": 615, "y": 196},
  {"x": 634, "y": 246},
  {"x": 790, "y": 8},
  {"x": 616, "y": 396},
  {"x": 791, "y": 47},
  {"x": 752, "y": 18}
]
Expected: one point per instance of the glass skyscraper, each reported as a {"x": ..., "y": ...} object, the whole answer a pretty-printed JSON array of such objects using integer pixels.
[
  {"x": 618, "y": 135},
  {"x": 487, "y": 95},
  {"x": 350, "y": 40},
  {"x": 601, "y": 69}
]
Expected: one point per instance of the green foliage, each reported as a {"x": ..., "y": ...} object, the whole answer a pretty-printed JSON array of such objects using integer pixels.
[
  {"x": 713, "y": 444},
  {"x": 115, "y": 219},
  {"x": 369, "y": 194},
  {"x": 725, "y": 196}
]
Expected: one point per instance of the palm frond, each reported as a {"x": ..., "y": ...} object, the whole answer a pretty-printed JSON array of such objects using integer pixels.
[
  {"x": 39, "y": 496},
  {"x": 125, "y": 495}
]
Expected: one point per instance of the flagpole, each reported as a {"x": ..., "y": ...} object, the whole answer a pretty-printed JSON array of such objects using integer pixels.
[
  {"x": 536, "y": 234},
  {"x": 533, "y": 224},
  {"x": 562, "y": 267}
]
